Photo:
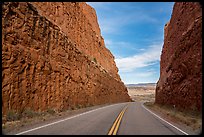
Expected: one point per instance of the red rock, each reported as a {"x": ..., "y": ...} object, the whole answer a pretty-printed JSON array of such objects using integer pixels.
[
  {"x": 180, "y": 81},
  {"x": 79, "y": 22},
  {"x": 42, "y": 66}
]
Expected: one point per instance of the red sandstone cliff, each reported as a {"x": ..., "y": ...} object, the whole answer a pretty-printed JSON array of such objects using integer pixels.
[
  {"x": 79, "y": 22},
  {"x": 180, "y": 81},
  {"x": 48, "y": 62}
]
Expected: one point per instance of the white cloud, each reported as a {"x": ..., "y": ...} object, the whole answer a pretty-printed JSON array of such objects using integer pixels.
[
  {"x": 149, "y": 57},
  {"x": 121, "y": 49},
  {"x": 110, "y": 43},
  {"x": 142, "y": 49},
  {"x": 120, "y": 44},
  {"x": 145, "y": 74}
]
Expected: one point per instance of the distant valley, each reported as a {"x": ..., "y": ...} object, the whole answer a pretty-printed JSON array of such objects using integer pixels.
[{"x": 140, "y": 85}]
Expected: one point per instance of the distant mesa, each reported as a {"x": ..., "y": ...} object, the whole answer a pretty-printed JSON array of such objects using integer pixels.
[{"x": 140, "y": 85}]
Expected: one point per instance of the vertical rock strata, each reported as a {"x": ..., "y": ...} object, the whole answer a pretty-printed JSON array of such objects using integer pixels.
[
  {"x": 180, "y": 81},
  {"x": 79, "y": 22},
  {"x": 47, "y": 66}
]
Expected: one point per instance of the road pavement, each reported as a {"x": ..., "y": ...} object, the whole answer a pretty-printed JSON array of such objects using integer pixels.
[{"x": 129, "y": 118}]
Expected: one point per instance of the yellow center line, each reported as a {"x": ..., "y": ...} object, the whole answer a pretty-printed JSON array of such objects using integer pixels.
[
  {"x": 117, "y": 122},
  {"x": 114, "y": 124}
]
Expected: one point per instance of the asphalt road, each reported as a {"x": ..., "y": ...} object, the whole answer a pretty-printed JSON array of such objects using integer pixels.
[{"x": 134, "y": 119}]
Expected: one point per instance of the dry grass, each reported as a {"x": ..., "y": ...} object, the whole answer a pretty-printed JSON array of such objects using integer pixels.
[
  {"x": 14, "y": 120},
  {"x": 190, "y": 119},
  {"x": 30, "y": 117}
]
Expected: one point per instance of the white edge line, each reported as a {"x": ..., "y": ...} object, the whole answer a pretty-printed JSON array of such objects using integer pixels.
[
  {"x": 64, "y": 119},
  {"x": 164, "y": 120}
]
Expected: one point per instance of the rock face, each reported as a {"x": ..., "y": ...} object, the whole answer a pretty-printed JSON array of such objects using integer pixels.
[
  {"x": 79, "y": 22},
  {"x": 48, "y": 62},
  {"x": 180, "y": 81}
]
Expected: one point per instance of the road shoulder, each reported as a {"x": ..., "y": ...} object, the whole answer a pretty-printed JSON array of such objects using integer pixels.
[
  {"x": 193, "y": 125},
  {"x": 28, "y": 123}
]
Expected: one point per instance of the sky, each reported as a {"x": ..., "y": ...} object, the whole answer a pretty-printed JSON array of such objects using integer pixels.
[{"x": 134, "y": 33}]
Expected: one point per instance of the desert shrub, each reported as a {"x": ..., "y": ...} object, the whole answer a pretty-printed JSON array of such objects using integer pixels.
[
  {"x": 12, "y": 115},
  {"x": 29, "y": 113},
  {"x": 72, "y": 108},
  {"x": 78, "y": 106},
  {"x": 51, "y": 111},
  {"x": 94, "y": 59}
]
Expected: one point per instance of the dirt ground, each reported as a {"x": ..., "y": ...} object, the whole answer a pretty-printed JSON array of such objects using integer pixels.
[{"x": 142, "y": 94}]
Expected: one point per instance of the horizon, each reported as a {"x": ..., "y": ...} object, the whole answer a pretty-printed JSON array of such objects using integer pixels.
[{"x": 139, "y": 83}]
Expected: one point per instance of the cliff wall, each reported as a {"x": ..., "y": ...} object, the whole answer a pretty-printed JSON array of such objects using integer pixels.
[
  {"x": 79, "y": 22},
  {"x": 43, "y": 68},
  {"x": 180, "y": 81}
]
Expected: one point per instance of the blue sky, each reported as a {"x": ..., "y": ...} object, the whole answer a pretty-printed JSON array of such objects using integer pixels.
[{"x": 134, "y": 33}]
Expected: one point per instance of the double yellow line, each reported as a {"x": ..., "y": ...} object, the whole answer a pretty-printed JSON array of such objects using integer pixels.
[{"x": 116, "y": 124}]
